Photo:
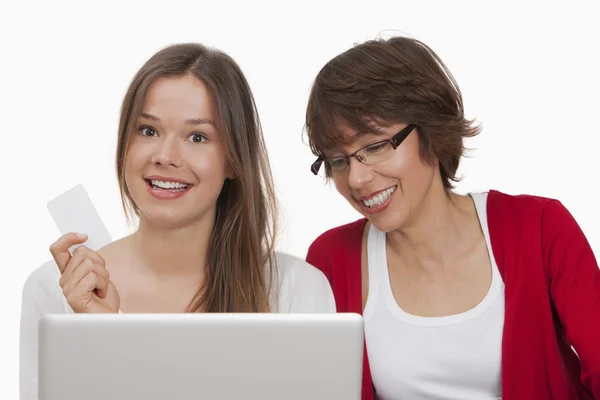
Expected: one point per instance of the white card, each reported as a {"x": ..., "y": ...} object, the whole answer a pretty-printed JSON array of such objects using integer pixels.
[{"x": 73, "y": 211}]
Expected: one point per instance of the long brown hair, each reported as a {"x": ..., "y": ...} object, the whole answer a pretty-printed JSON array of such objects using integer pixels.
[
  {"x": 382, "y": 82},
  {"x": 241, "y": 263}
]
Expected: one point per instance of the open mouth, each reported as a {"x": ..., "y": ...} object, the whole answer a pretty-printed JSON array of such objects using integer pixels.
[
  {"x": 379, "y": 199},
  {"x": 168, "y": 186}
]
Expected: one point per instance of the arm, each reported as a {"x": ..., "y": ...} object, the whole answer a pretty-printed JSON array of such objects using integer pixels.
[
  {"x": 322, "y": 298},
  {"x": 337, "y": 254},
  {"x": 574, "y": 279},
  {"x": 317, "y": 257},
  {"x": 41, "y": 295},
  {"x": 302, "y": 288}
]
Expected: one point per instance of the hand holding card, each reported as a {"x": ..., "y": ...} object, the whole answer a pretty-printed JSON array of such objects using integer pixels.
[
  {"x": 73, "y": 211},
  {"x": 84, "y": 279}
]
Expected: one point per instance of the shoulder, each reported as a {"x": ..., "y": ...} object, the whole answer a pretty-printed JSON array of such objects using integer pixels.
[
  {"x": 301, "y": 287},
  {"x": 43, "y": 289},
  {"x": 522, "y": 203},
  {"x": 341, "y": 234},
  {"x": 525, "y": 211},
  {"x": 339, "y": 243},
  {"x": 293, "y": 271},
  {"x": 529, "y": 216}
]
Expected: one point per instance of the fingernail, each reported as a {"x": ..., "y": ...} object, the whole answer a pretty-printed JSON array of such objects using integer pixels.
[{"x": 81, "y": 235}]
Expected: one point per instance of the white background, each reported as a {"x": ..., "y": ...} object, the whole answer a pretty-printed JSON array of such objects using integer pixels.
[{"x": 528, "y": 71}]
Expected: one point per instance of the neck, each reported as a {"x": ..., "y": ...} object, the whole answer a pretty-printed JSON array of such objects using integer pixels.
[
  {"x": 439, "y": 229},
  {"x": 173, "y": 252}
]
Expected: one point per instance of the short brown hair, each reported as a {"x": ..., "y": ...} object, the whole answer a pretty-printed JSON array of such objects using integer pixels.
[
  {"x": 386, "y": 81},
  {"x": 241, "y": 262}
]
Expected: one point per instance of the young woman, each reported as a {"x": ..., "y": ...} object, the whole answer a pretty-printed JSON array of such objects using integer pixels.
[
  {"x": 192, "y": 167},
  {"x": 483, "y": 296}
]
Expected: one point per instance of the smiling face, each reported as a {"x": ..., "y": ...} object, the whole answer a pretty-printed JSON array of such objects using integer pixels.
[
  {"x": 390, "y": 192},
  {"x": 175, "y": 165}
]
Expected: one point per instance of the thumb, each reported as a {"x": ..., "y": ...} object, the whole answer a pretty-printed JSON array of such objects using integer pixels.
[{"x": 60, "y": 248}]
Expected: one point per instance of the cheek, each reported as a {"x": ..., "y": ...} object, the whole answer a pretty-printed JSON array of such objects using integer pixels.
[
  {"x": 416, "y": 178},
  {"x": 137, "y": 155},
  {"x": 343, "y": 188},
  {"x": 130, "y": 161},
  {"x": 408, "y": 167},
  {"x": 208, "y": 164},
  {"x": 129, "y": 167},
  {"x": 132, "y": 169}
]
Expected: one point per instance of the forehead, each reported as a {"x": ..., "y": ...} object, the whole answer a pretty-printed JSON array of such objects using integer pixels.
[
  {"x": 349, "y": 140},
  {"x": 185, "y": 96}
]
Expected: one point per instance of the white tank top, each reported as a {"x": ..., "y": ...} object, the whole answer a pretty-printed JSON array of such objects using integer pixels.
[{"x": 455, "y": 357}]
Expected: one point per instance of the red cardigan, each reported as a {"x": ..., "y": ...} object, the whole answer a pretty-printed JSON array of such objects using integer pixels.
[{"x": 552, "y": 296}]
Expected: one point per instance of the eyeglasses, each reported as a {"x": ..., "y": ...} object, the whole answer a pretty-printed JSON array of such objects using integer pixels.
[{"x": 371, "y": 154}]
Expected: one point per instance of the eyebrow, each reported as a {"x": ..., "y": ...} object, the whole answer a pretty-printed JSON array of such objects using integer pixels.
[
  {"x": 191, "y": 121},
  {"x": 356, "y": 136}
]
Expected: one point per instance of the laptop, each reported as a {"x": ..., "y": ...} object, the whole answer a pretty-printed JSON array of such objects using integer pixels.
[{"x": 200, "y": 356}]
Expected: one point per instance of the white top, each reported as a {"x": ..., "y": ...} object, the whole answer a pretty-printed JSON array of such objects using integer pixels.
[
  {"x": 301, "y": 289},
  {"x": 450, "y": 357}
]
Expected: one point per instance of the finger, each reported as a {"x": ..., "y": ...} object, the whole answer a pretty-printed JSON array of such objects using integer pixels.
[
  {"x": 69, "y": 281},
  {"x": 81, "y": 296},
  {"x": 80, "y": 254},
  {"x": 91, "y": 282},
  {"x": 60, "y": 248},
  {"x": 101, "y": 284}
]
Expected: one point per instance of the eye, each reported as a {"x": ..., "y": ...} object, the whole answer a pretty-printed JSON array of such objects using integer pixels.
[
  {"x": 376, "y": 148},
  {"x": 337, "y": 163},
  {"x": 197, "y": 138},
  {"x": 147, "y": 131}
]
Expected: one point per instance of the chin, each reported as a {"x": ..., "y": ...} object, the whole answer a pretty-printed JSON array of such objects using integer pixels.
[
  {"x": 388, "y": 220},
  {"x": 386, "y": 225},
  {"x": 166, "y": 218}
]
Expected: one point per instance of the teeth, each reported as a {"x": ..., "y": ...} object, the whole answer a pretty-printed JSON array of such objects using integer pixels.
[
  {"x": 380, "y": 198},
  {"x": 168, "y": 185}
]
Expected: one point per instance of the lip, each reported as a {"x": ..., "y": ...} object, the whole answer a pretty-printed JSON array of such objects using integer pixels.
[
  {"x": 165, "y": 179},
  {"x": 166, "y": 194},
  {"x": 369, "y": 197},
  {"x": 379, "y": 208}
]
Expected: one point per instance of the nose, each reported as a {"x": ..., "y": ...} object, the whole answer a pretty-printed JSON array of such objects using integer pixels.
[
  {"x": 168, "y": 152},
  {"x": 359, "y": 174}
]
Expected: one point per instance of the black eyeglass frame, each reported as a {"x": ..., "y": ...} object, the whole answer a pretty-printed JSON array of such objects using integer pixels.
[{"x": 395, "y": 141}]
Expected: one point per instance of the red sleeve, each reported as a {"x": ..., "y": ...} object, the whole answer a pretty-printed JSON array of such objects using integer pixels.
[
  {"x": 574, "y": 287},
  {"x": 337, "y": 254},
  {"x": 317, "y": 256}
]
